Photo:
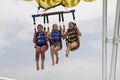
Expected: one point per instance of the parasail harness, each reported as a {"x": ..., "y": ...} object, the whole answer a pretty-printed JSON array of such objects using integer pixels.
[{"x": 61, "y": 17}]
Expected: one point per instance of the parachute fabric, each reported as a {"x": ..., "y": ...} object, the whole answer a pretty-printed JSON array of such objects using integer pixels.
[
  {"x": 70, "y": 3},
  {"x": 48, "y": 3}
]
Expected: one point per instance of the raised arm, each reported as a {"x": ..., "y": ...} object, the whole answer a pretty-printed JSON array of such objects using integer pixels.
[
  {"x": 65, "y": 35},
  {"x": 46, "y": 35},
  {"x": 62, "y": 30},
  {"x": 34, "y": 36}
]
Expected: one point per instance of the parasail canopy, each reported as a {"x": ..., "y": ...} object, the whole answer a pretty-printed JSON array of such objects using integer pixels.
[
  {"x": 46, "y": 4},
  {"x": 51, "y": 3},
  {"x": 70, "y": 3}
]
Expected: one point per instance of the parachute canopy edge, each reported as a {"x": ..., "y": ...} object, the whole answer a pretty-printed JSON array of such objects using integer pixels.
[{"x": 89, "y": 0}]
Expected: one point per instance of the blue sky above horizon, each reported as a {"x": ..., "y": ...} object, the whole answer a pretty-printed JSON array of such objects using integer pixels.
[{"x": 17, "y": 50}]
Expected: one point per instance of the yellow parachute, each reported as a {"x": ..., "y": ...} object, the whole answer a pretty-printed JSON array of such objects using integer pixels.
[
  {"x": 52, "y": 3},
  {"x": 48, "y": 3},
  {"x": 70, "y": 3}
]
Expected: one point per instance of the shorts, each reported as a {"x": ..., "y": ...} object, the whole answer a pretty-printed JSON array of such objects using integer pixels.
[
  {"x": 40, "y": 45},
  {"x": 56, "y": 44}
]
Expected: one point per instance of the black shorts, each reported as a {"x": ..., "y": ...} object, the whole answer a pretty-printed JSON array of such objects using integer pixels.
[{"x": 40, "y": 45}]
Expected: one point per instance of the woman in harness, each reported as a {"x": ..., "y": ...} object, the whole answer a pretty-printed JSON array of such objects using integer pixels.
[
  {"x": 71, "y": 34},
  {"x": 55, "y": 42},
  {"x": 40, "y": 45}
]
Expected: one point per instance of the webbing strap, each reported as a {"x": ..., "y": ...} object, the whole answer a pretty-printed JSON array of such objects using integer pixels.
[
  {"x": 59, "y": 17},
  {"x": 62, "y": 17},
  {"x": 47, "y": 19},
  {"x": 44, "y": 19},
  {"x": 73, "y": 15},
  {"x": 34, "y": 22}
]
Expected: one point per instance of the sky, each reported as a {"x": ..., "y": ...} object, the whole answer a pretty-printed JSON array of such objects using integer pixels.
[{"x": 17, "y": 53}]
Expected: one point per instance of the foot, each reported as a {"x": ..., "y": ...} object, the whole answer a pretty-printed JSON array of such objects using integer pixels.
[
  {"x": 57, "y": 60},
  {"x": 66, "y": 55}
]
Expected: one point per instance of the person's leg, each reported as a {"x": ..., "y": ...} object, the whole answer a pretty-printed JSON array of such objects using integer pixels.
[
  {"x": 37, "y": 57},
  {"x": 43, "y": 49},
  {"x": 68, "y": 49},
  {"x": 56, "y": 49},
  {"x": 52, "y": 53},
  {"x": 74, "y": 45}
]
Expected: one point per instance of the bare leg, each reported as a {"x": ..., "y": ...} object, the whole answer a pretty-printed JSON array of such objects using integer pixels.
[
  {"x": 37, "y": 65},
  {"x": 70, "y": 46},
  {"x": 52, "y": 54},
  {"x": 43, "y": 49},
  {"x": 56, "y": 49},
  {"x": 42, "y": 60},
  {"x": 37, "y": 57},
  {"x": 68, "y": 49},
  {"x": 74, "y": 44}
]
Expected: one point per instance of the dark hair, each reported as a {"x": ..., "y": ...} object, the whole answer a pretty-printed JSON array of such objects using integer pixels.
[{"x": 40, "y": 25}]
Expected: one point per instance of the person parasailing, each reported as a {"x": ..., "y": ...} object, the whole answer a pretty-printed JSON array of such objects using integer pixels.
[
  {"x": 55, "y": 42},
  {"x": 40, "y": 41},
  {"x": 71, "y": 34}
]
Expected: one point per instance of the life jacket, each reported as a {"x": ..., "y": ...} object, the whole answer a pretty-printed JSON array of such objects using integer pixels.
[
  {"x": 55, "y": 35},
  {"x": 72, "y": 35},
  {"x": 40, "y": 38}
]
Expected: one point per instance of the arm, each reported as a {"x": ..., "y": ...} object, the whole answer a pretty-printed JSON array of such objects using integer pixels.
[
  {"x": 65, "y": 35},
  {"x": 48, "y": 33},
  {"x": 34, "y": 36},
  {"x": 78, "y": 31},
  {"x": 62, "y": 31},
  {"x": 46, "y": 36}
]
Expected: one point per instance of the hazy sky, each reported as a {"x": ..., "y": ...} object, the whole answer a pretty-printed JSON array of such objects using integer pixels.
[{"x": 17, "y": 53}]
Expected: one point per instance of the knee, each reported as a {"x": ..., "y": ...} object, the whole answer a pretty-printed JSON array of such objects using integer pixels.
[
  {"x": 43, "y": 51},
  {"x": 74, "y": 45},
  {"x": 42, "y": 54},
  {"x": 51, "y": 48},
  {"x": 55, "y": 50},
  {"x": 69, "y": 45}
]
